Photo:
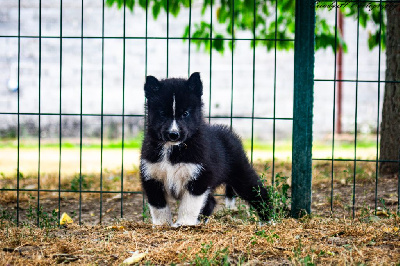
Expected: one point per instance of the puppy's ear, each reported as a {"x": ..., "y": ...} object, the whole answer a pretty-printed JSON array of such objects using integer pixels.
[
  {"x": 151, "y": 87},
  {"x": 195, "y": 84}
]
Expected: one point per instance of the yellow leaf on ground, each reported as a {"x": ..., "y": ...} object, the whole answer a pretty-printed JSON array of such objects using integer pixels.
[
  {"x": 65, "y": 219},
  {"x": 115, "y": 227},
  {"x": 390, "y": 230},
  {"x": 136, "y": 257},
  {"x": 382, "y": 213}
]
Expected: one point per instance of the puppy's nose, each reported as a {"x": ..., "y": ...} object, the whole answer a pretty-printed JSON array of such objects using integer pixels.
[{"x": 173, "y": 135}]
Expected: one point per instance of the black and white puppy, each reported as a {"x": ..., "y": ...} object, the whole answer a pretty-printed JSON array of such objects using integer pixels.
[{"x": 185, "y": 159}]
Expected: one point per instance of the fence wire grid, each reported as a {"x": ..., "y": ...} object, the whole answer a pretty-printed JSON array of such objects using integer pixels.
[
  {"x": 41, "y": 192},
  {"x": 252, "y": 116}
]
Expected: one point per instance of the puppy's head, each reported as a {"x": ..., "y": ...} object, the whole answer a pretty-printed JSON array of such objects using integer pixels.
[{"x": 173, "y": 108}]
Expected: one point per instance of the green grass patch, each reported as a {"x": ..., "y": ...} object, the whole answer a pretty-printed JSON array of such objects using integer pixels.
[
  {"x": 95, "y": 143},
  {"x": 136, "y": 143}
]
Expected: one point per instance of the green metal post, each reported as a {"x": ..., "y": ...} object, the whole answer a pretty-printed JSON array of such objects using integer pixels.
[{"x": 303, "y": 107}]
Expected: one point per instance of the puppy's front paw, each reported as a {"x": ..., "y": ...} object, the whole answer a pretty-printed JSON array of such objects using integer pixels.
[
  {"x": 185, "y": 223},
  {"x": 176, "y": 225}
]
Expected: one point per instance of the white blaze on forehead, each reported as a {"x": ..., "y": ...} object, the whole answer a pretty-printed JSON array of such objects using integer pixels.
[
  {"x": 173, "y": 105},
  {"x": 174, "y": 126}
]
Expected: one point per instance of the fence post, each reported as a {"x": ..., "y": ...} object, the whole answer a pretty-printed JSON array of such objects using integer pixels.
[{"x": 303, "y": 107}]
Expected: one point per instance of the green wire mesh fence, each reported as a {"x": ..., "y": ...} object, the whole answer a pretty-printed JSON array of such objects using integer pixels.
[
  {"x": 39, "y": 193},
  {"x": 58, "y": 194},
  {"x": 356, "y": 86}
]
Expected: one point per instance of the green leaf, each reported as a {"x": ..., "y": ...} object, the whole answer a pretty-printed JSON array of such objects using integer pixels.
[
  {"x": 110, "y": 3},
  {"x": 130, "y": 4},
  {"x": 363, "y": 18},
  {"x": 174, "y": 7},
  {"x": 143, "y": 3},
  {"x": 118, "y": 3},
  {"x": 238, "y": 15},
  {"x": 218, "y": 43},
  {"x": 156, "y": 9},
  {"x": 165, "y": 5},
  {"x": 186, "y": 32}
]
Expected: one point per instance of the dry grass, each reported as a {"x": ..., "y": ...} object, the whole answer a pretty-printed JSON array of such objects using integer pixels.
[
  {"x": 322, "y": 187},
  {"x": 311, "y": 240},
  {"x": 231, "y": 237}
]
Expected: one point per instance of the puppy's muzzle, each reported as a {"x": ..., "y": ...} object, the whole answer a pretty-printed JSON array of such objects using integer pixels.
[{"x": 173, "y": 135}]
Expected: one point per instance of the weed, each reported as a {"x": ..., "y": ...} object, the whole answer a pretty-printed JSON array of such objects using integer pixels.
[
  {"x": 298, "y": 256},
  {"x": 336, "y": 201},
  {"x": 277, "y": 209},
  {"x": 307, "y": 260},
  {"x": 146, "y": 212},
  {"x": 207, "y": 257},
  {"x": 44, "y": 218},
  {"x": 385, "y": 210},
  {"x": 76, "y": 181},
  {"x": 280, "y": 197},
  {"x": 7, "y": 217},
  {"x": 73, "y": 214},
  {"x": 246, "y": 213},
  {"x": 365, "y": 212},
  {"x": 269, "y": 236}
]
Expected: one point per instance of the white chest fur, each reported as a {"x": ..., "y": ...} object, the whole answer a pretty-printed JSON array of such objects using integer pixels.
[{"x": 173, "y": 176}]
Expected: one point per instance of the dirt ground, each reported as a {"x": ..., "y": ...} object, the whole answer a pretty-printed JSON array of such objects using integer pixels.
[
  {"x": 224, "y": 241},
  {"x": 230, "y": 236},
  {"x": 86, "y": 207},
  {"x": 132, "y": 204}
]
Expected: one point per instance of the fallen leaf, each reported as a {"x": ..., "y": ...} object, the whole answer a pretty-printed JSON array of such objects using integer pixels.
[
  {"x": 136, "y": 257},
  {"x": 115, "y": 227},
  {"x": 382, "y": 213},
  {"x": 390, "y": 230},
  {"x": 65, "y": 219}
]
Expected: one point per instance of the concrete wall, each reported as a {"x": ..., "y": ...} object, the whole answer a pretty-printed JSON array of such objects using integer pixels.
[{"x": 135, "y": 67}]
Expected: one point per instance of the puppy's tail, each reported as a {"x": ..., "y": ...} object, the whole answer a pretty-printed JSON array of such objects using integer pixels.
[{"x": 251, "y": 189}]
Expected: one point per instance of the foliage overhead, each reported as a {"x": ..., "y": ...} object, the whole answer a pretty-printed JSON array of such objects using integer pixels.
[{"x": 270, "y": 22}]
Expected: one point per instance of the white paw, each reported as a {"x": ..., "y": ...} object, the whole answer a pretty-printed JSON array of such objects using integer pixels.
[
  {"x": 176, "y": 225},
  {"x": 186, "y": 222},
  {"x": 230, "y": 203},
  {"x": 161, "y": 216}
]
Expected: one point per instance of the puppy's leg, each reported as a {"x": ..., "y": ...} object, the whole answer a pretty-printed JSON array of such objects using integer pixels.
[
  {"x": 207, "y": 208},
  {"x": 190, "y": 208},
  {"x": 159, "y": 209},
  {"x": 229, "y": 197}
]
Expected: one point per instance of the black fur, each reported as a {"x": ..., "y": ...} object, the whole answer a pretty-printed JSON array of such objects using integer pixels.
[{"x": 215, "y": 147}]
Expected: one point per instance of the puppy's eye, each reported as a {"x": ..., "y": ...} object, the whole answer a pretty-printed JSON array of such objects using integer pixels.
[
  {"x": 185, "y": 114},
  {"x": 162, "y": 113}
]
